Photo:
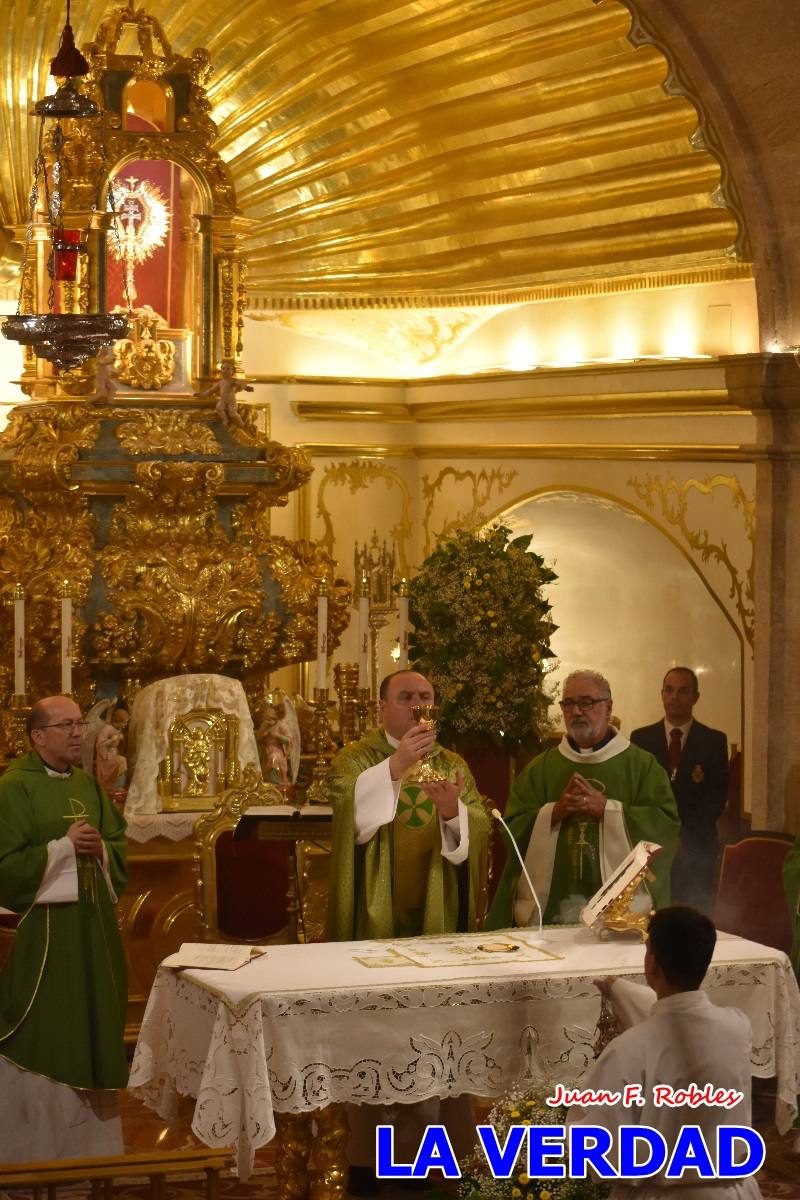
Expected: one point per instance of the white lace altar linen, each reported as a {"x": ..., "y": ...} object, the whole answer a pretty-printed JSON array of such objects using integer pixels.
[
  {"x": 154, "y": 710},
  {"x": 306, "y": 1026}
]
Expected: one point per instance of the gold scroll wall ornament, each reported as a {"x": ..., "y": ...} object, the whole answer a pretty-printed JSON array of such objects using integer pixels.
[
  {"x": 671, "y": 496},
  {"x": 357, "y": 476},
  {"x": 483, "y": 482}
]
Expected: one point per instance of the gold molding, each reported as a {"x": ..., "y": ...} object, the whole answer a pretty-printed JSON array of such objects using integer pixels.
[
  {"x": 669, "y": 452},
  {"x": 263, "y": 303},
  {"x": 644, "y": 366},
  {"x": 614, "y": 405}
]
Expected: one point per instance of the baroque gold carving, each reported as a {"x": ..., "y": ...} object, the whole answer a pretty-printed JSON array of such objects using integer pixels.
[
  {"x": 672, "y": 497},
  {"x": 183, "y": 594},
  {"x": 357, "y": 476},
  {"x": 299, "y": 567},
  {"x": 145, "y": 360},
  {"x": 483, "y": 484},
  {"x": 165, "y": 432},
  {"x": 47, "y": 439},
  {"x": 195, "y": 132}
]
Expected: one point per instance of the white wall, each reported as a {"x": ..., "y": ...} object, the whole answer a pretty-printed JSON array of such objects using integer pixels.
[{"x": 629, "y": 604}]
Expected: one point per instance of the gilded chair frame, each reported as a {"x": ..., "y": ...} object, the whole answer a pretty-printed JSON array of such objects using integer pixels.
[{"x": 224, "y": 817}]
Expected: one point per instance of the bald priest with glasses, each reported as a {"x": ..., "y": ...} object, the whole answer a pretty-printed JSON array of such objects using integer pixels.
[
  {"x": 63, "y": 991},
  {"x": 578, "y": 808}
]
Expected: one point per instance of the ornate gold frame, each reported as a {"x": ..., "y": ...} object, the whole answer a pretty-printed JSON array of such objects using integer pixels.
[{"x": 223, "y": 817}]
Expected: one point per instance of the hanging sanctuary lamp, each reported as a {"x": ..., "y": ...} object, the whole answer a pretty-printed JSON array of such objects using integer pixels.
[{"x": 66, "y": 339}]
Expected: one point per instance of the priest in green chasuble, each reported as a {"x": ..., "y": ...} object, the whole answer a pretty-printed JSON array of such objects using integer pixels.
[
  {"x": 63, "y": 991},
  {"x": 407, "y": 857},
  {"x": 577, "y": 810}
]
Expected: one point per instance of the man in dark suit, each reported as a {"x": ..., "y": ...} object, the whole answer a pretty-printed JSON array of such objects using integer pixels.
[{"x": 696, "y": 761}]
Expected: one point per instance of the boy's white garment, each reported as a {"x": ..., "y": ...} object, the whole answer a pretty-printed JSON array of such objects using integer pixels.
[{"x": 685, "y": 1039}]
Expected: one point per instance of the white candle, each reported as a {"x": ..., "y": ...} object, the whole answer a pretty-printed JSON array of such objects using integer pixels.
[
  {"x": 402, "y": 660},
  {"x": 363, "y": 635},
  {"x": 66, "y": 639},
  {"x": 322, "y": 636},
  {"x": 19, "y": 640}
]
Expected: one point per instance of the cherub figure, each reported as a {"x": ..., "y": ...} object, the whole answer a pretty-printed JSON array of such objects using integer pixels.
[
  {"x": 226, "y": 388},
  {"x": 104, "y": 378}
]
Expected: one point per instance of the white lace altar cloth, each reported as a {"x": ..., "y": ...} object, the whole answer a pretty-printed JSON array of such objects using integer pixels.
[
  {"x": 154, "y": 710},
  {"x": 306, "y": 1026}
]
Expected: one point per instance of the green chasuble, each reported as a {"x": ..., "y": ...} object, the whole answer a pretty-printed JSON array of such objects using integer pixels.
[
  {"x": 791, "y": 883},
  {"x": 568, "y": 863},
  {"x": 398, "y": 884},
  {"x": 63, "y": 992}
]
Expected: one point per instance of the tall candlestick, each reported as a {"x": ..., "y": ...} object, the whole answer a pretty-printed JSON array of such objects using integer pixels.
[
  {"x": 322, "y": 635},
  {"x": 19, "y": 640},
  {"x": 402, "y": 660},
  {"x": 66, "y": 639},
  {"x": 363, "y": 633}
]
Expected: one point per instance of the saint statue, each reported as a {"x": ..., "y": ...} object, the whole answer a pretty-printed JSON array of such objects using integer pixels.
[
  {"x": 278, "y": 737},
  {"x": 103, "y": 744},
  {"x": 225, "y": 389}
]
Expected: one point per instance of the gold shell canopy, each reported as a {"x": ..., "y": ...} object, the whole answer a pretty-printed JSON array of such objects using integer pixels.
[{"x": 409, "y": 151}]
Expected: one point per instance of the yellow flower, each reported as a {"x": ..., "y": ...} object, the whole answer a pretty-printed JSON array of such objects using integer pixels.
[
  {"x": 478, "y": 582},
  {"x": 544, "y": 1194},
  {"x": 514, "y": 1112},
  {"x": 490, "y": 613},
  {"x": 515, "y": 1192},
  {"x": 523, "y": 1178},
  {"x": 467, "y": 585}
]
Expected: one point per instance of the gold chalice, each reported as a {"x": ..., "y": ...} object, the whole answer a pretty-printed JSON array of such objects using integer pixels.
[{"x": 426, "y": 715}]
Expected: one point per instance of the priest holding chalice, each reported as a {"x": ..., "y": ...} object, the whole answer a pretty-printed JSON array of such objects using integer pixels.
[
  {"x": 409, "y": 835},
  {"x": 409, "y": 827}
]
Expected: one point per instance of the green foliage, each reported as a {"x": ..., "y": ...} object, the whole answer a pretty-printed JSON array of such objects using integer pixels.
[
  {"x": 482, "y": 636},
  {"x": 521, "y": 1107}
]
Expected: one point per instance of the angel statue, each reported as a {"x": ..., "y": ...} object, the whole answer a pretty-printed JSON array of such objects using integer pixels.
[
  {"x": 278, "y": 737},
  {"x": 225, "y": 389},
  {"x": 104, "y": 378},
  {"x": 103, "y": 743}
]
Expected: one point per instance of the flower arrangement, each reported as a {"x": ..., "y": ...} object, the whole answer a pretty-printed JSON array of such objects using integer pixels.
[
  {"x": 482, "y": 636},
  {"x": 520, "y": 1107}
]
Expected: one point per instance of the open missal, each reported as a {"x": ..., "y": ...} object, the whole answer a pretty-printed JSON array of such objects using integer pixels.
[
  {"x": 208, "y": 956},
  {"x": 633, "y": 866}
]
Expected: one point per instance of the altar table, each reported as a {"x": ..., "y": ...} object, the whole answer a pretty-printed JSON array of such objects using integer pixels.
[{"x": 308, "y": 1026}]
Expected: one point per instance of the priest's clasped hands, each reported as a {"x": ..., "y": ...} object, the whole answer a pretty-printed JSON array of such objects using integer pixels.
[
  {"x": 578, "y": 799},
  {"x": 415, "y": 743},
  {"x": 86, "y": 839}
]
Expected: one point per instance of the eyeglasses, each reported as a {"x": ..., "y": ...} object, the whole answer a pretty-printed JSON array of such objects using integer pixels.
[
  {"x": 584, "y": 703},
  {"x": 65, "y": 726}
]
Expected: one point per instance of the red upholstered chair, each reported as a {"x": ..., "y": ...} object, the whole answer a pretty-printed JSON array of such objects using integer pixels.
[
  {"x": 750, "y": 896},
  {"x": 240, "y": 886}
]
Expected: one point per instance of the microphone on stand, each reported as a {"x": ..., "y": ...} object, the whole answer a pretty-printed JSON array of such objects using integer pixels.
[{"x": 498, "y": 816}]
